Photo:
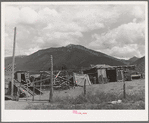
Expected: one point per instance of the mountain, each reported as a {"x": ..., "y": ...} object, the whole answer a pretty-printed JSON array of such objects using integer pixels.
[
  {"x": 129, "y": 61},
  {"x": 140, "y": 64},
  {"x": 125, "y": 61},
  {"x": 133, "y": 59},
  {"x": 69, "y": 57},
  {"x": 8, "y": 60}
]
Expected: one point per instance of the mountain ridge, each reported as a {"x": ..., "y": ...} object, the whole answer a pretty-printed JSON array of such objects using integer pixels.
[
  {"x": 133, "y": 59},
  {"x": 68, "y": 57},
  {"x": 140, "y": 64}
]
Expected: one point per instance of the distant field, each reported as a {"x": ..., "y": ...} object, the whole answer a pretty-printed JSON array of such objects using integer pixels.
[{"x": 98, "y": 97}]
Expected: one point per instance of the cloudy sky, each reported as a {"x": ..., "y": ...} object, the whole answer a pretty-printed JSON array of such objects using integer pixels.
[{"x": 115, "y": 29}]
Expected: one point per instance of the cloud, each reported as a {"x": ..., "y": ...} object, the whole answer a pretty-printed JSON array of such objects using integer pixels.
[
  {"x": 125, "y": 51},
  {"x": 60, "y": 38},
  {"x": 126, "y": 41},
  {"x": 32, "y": 50},
  {"x": 95, "y": 17},
  {"x": 107, "y": 28},
  {"x": 46, "y": 16},
  {"x": 139, "y": 11},
  {"x": 12, "y": 15},
  {"x": 63, "y": 27},
  {"x": 8, "y": 45},
  {"x": 28, "y": 15},
  {"x": 25, "y": 15}
]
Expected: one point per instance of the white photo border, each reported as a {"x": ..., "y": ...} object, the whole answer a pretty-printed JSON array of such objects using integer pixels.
[{"x": 67, "y": 115}]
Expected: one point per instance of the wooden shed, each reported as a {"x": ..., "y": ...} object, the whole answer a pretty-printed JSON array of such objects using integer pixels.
[
  {"x": 22, "y": 76},
  {"x": 100, "y": 74}
]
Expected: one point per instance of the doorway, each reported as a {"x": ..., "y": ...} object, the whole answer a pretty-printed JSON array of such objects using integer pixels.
[{"x": 111, "y": 75}]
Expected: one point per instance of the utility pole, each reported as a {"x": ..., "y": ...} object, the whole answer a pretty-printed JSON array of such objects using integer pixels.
[
  {"x": 13, "y": 61},
  {"x": 51, "y": 82}
]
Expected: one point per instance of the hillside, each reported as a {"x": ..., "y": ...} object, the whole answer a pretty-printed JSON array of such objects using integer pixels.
[
  {"x": 125, "y": 61},
  {"x": 69, "y": 57},
  {"x": 8, "y": 60},
  {"x": 133, "y": 59},
  {"x": 140, "y": 64},
  {"x": 129, "y": 61}
]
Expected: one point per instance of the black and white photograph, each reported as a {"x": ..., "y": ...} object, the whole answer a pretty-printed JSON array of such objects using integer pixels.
[{"x": 83, "y": 59}]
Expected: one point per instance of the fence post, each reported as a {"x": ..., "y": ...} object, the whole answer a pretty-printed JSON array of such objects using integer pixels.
[
  {"x": 85, "y": 88},
  {"x": 74, "y": 81},
  {"x": 51, "y": 83},
  {"x": 124, "y": 90},
  {"x": 124, "y": 93},
  {"x": 27, "y": 92},
  {"x": 33, "y": 91},
  {"x": 40, "y": 86},
  {"x": 18, "y": 92}
]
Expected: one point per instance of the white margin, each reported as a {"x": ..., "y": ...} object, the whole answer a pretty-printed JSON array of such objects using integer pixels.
[{"x": 67, "y": 115}]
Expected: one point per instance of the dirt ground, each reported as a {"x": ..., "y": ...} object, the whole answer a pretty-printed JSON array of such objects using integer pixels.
[{"x": 113, "y": 87}]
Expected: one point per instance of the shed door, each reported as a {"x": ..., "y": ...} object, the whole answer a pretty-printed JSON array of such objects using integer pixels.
[
  {"x": 120, "y": 75},
  {"x": 102, "y": 75},
  {"x": 111, "y": 75}
]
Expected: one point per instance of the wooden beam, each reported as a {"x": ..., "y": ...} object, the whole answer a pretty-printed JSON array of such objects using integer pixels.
[
  {"x": 63, "y": 78},
  {"x": 56, "y": 76},
  {"x": 41, "y": 80},
  {"x": 59, "y": 77}
]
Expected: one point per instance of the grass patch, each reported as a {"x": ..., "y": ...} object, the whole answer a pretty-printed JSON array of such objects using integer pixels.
[
  {"x": 130, "y": 87},
  {"x": 98, "y": 100},
  {"x": 133, "y": 97},
  {"x": 137, "y": 105}
]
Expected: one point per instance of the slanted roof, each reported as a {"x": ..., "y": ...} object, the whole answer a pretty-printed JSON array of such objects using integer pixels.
[
  {"x": 21, "y": 71},
  {"x": 103, "y": 66},
  {"x": 98, "y": 66}
]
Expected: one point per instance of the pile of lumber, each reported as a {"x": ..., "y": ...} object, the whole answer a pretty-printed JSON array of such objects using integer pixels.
[{"x": 60, "y": 81}]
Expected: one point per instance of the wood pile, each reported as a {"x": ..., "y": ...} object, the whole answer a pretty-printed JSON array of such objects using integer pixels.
[{"x": 61, "y": 80}]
